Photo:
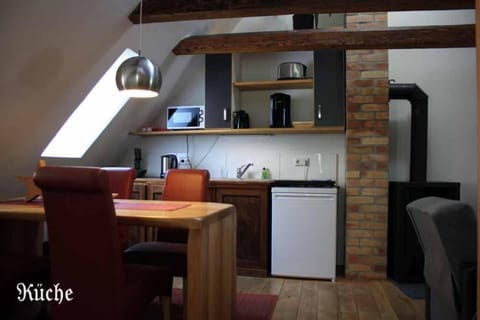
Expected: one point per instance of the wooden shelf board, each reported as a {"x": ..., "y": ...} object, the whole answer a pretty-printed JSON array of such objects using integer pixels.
[
  {"x": 250, "y": 131},
  {"x": 274, "y": 84}
]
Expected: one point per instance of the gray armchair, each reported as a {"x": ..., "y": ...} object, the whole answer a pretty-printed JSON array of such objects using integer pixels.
[{"x": 447, "y": 232}]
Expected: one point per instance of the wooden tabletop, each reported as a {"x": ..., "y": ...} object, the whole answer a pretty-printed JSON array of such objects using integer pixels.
[
  {"x": 190, "y": 215},
  {"x": 211, "y": 246}
]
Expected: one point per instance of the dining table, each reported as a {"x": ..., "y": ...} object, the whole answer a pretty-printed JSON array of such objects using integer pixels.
[{"x": 211, "y": 248}]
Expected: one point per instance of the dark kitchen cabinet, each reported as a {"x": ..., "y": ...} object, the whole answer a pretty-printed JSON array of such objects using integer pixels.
[
  {"x": 218, "y": 90},
  {"x": 253, "y": 218},
  {"x": 329, "y": 87},
  {"x": 251, "y": 202}
]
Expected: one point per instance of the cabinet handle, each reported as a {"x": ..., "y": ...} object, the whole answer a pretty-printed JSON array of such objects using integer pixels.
[
  {"x": 224, "y": 114},
  {"x": 319, "y": 111}
]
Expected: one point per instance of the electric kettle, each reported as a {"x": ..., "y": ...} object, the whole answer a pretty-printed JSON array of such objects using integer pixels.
[{"x": 168, "y": 161}]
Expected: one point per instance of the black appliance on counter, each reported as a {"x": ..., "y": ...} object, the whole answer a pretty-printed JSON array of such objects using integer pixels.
[
  {"x": 405, "y": 257},
  {"x": 280, "y": 111}
]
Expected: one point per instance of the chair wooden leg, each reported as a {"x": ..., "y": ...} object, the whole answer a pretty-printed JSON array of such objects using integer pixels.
[
  {"x": 166, "y": 306},
  {"x": 185, "y": 291}
]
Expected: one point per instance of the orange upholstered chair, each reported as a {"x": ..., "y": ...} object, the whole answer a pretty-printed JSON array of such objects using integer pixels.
[
  {"x": 121, "y": 182},
  {"x": 85, "y": 253},
  {"x": 186, "y": 185},
  {"x": 171, "y": 245}
]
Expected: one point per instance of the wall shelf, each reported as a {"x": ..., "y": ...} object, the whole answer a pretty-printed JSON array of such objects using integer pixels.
[
  {"x": 250, "y": 131},
  {"x": 274, "y": 84}
]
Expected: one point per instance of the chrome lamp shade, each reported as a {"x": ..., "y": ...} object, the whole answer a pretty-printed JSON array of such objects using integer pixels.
[{"x": 139, "y": 77}]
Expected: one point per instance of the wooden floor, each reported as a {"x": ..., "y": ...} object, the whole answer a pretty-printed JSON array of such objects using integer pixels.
[{"x": 343, "y": 300}]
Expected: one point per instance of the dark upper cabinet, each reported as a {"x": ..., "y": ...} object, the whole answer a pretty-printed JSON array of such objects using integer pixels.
[
  {"x": 218, "y": 90},
  {"x": 329, "y": 79}
]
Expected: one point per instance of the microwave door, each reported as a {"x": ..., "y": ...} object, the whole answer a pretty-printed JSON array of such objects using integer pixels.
[{"x": 185, "y": 118}]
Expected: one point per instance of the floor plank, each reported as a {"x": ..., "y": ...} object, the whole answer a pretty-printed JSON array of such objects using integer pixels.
[
  {"x": 308, "y": 304},
  {"x": 301, "y": 299},
  {"x": 328, "y": 301},
  {"x": 288, "y": 300},
  {"x": 381, "y": 299}
]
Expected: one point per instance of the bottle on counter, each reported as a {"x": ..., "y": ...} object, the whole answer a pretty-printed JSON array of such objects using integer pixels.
[{"x": 265, "y": 174}]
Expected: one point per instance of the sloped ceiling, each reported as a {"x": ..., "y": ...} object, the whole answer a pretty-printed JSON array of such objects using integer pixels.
[{"x": 53, "y": 54}]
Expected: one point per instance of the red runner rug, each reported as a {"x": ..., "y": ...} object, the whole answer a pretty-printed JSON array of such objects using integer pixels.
[
  {"x": 162, "y": 206},
  {"x": 249, "y": 306}
]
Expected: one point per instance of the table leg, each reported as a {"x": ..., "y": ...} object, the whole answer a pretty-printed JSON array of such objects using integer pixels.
[{"x": 212, "y": 270}]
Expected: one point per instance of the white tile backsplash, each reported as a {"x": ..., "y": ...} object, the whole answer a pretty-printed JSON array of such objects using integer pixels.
[{"x": 222, "y": 155}]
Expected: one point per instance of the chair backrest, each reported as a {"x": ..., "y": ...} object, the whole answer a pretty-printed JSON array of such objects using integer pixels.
[
  {"x": 85, "y": 253},
  {"x": 183, "y": 185},
  {"x": 121, "y": 180},
  {"x": 186, "y": 185},
  {"x": 447, "y": 232}
]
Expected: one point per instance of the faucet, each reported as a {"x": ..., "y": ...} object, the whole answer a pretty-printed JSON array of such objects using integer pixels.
[{"x": 241, "y": 171}]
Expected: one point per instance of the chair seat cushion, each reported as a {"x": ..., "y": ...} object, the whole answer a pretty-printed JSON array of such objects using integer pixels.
[
  {"x": 170, "y": 254},
  {"x": 142, "y": 284}
]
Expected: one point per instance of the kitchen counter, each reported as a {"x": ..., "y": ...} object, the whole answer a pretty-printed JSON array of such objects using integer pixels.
[{"x": 212, "y": 181}]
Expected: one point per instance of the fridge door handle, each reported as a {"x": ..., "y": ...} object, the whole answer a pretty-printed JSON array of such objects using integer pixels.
[{"x": 303, "y": 196}]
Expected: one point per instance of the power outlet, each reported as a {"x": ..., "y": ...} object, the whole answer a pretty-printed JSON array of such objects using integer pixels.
[
  {"x": 302, "y": 162},
  {"x": 183, "y": 161}
]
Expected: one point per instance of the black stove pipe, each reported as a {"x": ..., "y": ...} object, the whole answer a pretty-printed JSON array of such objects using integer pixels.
[{"x": 419, "y": 126}]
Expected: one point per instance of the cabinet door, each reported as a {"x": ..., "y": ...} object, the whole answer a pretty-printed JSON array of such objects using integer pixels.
[
  {"x": 329, "y": 77},
  {"x": 218, "y": 90},
  {"x": 252, "y": 228},
  {"x": 139, "y": 191},
  {"x": 154, "y": 191}
]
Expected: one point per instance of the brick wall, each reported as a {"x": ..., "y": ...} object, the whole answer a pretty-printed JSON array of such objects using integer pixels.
[{"x": 367, "y": 156}]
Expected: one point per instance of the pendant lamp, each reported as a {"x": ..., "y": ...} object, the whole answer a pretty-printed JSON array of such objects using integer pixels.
[{"x": 139, "y": 77}]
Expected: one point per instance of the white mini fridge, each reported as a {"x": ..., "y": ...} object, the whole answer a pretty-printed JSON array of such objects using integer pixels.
[{"x": 304, "y": 227}]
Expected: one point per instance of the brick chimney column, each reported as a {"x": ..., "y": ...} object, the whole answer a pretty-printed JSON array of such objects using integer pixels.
[{"x": 367, "y": 143}]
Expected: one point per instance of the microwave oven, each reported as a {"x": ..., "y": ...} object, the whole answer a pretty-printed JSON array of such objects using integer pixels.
[{"x": 185, "y": 117}]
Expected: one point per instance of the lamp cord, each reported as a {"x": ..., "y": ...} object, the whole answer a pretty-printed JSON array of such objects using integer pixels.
[{"x": 141, "y": 16}]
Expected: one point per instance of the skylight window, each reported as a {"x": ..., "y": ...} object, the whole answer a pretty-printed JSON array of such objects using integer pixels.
[{"x": 91, "y": 117}]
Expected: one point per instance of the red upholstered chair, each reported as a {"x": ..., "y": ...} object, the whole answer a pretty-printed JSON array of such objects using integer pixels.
[
  {"x": 85, "y": 253},
  {"x": 15, "y": 269},
  {"x": 171, "y": 246},
  {"x": 121, "y": 182}
]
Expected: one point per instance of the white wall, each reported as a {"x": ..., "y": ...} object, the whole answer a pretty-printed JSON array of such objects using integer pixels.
[
  {"x": 54, "y": 53},
  {"x": 448, "y": 77}
]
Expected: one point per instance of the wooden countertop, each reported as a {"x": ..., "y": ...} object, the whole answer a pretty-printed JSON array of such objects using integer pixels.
[{"x": 213, "y": 182}]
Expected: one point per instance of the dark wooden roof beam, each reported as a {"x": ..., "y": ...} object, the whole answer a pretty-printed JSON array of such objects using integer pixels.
[
  {"x": 179, "y": 10},
  {"x": 455, "y": 36}
]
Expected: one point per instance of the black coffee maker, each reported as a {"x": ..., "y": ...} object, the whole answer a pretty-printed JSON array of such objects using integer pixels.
[
  {"x": 280, "y": 111},
  {"x": 240, "y": 120}
]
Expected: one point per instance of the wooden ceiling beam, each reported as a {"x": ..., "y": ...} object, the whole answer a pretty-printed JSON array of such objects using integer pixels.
[
  {"x": 455, "y": 36},
  {"x": 179, "y": 10}
]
